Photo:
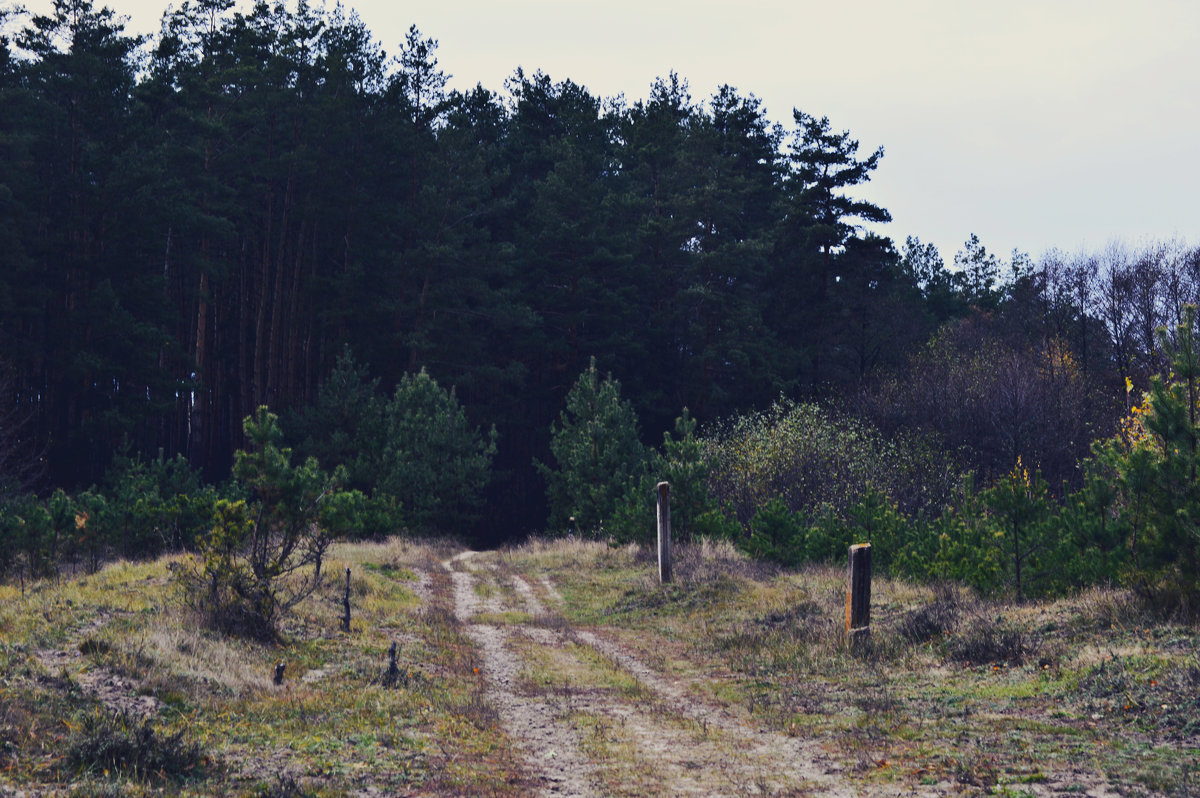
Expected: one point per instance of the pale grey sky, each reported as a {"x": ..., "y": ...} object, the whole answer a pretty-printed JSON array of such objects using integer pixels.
[{"x": 1032, "y": 123}]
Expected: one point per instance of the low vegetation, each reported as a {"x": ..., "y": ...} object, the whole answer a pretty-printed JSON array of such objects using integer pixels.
[
  {"x": 111, "y": 688},
  {"x": 962, "y": 693}
]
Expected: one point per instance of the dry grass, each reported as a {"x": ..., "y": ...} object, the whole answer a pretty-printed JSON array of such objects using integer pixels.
[
  {"x": 73, "y": 649},
  {"x": 954, "y": 694},
  {"x": 972, "y": 695}
]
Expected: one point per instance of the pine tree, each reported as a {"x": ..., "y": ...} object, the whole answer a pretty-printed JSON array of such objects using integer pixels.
[
  {"x": 432, "y": 461},
  {"x": 819, "y": 221},
  {"x": 598, "y": 455}
]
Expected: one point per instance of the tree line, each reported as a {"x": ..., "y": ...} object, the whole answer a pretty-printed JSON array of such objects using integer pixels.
[{"x": 200, "y": 224}]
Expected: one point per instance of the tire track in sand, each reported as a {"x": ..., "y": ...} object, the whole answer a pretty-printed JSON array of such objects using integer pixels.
[
  {"x": 794, "y": 758},
  {"x": 551, "y": 747}
]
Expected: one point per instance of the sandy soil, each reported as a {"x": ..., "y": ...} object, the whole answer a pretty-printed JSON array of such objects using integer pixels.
[
  {"x": 551, "y": 748},
  {"x": 680, "y": 743},
  {"x": 669, "y": 735},
  {"x": 674, "y": 740}
]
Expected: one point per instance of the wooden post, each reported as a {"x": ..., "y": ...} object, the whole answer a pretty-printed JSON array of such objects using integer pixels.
[
  {"x": 346, "y": 605},
  {"x": 858, "y": 595},
  {"x": 392, "y": 675},
  {"x": 664, "y": 532}
]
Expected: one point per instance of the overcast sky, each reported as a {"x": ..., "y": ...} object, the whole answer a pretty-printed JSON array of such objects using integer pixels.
[{"x": 1032, "y": 123}]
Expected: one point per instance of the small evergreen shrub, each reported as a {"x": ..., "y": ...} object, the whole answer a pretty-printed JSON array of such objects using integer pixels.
[
  {"x": 153, "y": 506},
  {"x": 777, "y": 534},
  {"x": 263, "y": 554},
  {"x": 1152, "y": 467},
  {"x": 414, "y": 457},
  {"x": 433, "y": 462}
]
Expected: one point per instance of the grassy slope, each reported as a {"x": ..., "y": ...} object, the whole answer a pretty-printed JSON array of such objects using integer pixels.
[
  {"x": 331, "y": 726},
  {"x": 1075, "y": 694}
]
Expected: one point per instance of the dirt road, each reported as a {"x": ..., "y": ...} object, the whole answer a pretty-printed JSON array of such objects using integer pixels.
[{"x": 593, "y": 719}]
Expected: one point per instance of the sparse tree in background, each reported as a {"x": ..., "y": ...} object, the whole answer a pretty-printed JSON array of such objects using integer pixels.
[
  {"x": 991, "y": 400},
  {"x": 923, "y": 267},
  {"x": 823, "y": 165},
  {"x": 818, "y": 221},
  {"x": 978, "y": 272},
  {"x": 1146, "y": 282}
]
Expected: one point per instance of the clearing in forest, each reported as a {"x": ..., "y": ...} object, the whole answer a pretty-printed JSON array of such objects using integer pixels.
[{"x": 564, "y": 669}]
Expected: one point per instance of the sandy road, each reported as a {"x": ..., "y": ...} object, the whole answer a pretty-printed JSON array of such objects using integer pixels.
[
  {"x": 668, "y": 740},
  {"x": 550, "y": 746}
]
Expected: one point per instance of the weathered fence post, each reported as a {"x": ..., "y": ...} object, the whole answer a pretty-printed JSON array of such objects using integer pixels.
[
  {"x": 392, "y": 675},
  {"x": 858, "y": 596},
  {"x": 664, "y": 532},
  {"x": 346, "y": 605}
]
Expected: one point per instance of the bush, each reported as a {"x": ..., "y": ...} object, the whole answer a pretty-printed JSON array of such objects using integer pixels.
[
  {"x": 105, "y": 741},
  {"x": 958, "y": 545},
  {"x": 818, "y": 462},
  {"x": 414, "y": 456},
  {"x": 226, "y": 592},
  {"x": 870, "y": 518},
  {"x": 155, "y": 505},
  {"x": 36, "y": 535},
  {"x": 791, "y": 538},
  {"x": 26, "y": 535},
  {"x": 1153, "y": 465},
  {"x": 284, "y": 786},
  {"x": 344, "y": 426},
  {"x": 715, "y": 525},
  {"x": 936, "y": 619},
  {"x": 777, "y": 534},
  {"x": 634, "y": 517},
  {"x": 1087, "y": 538},
  {"x": 147, "y": 507},
  {"x": 694, "y": 513},
  {"x": 1021, "y": 510},
  {"x": 986, "y": 640}
]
